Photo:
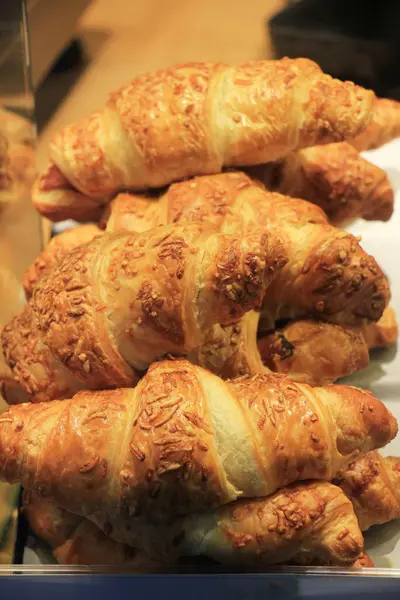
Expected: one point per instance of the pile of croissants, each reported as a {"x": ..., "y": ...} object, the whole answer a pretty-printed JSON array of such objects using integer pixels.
[{"x": 178, "y": 349}]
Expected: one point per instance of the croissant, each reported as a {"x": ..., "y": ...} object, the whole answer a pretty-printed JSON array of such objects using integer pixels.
[
  {"x": 305, "y": 523},
  {"x": 336, "y": 178},
  {"x": 7, "y": 188},
  {"x": 10, "y": 288},
  {"x": 383, "y": 127},
  {"x": 312, "y": 352},
  {"x": 183, "y": 441},
  {"x": 328, "y": 276},
  {"x": 373, "y": 485},
  {"x": 384, "y": 332},
  {"x": 364, "y": 561},
  {"x": 319, "y": 353},
  {"x": 16, "y": 129},
  {"x": 113, "y": 306},
  {"x": 231, "y": 350},
  {"x": 56, "y": 249},
  {"x": 16, "y": 173},
  {"x": 193, "y": 119},
  {"x": 76, "y": 541}
]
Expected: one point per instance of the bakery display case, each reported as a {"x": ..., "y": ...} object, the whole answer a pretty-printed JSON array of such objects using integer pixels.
[
  {"x": 198, "y": 298},
  {"x": 20, "y": 227}
]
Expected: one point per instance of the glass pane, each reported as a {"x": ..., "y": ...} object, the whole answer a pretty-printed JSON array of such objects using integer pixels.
[{"x": 20, "y": 227}]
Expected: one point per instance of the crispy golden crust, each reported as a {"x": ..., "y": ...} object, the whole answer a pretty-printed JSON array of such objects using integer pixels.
[
  {"x": 314, "y": 352},
  {"x": 328, "y": 276},
  {"x": 12, "y": 297},
  {"x": 114, "y": 305},
  {"x": 17, "y": 171},
  {"x": 231, "y": 350},
  {"x": 373, "y": 485},
  {"x": 17, "y": 158},
  {"x": 309, "y": 523},
  {"x": 384, "y": 125},
  {"x": 182, "y": 441},
  {"x": 33, "y": 365},
  {"x": 383, "y": 333},
  {"x": 193, "y": 119},
  {"x": 16, "y": 129},
  {"x": 22, "y": 159},
  {"x": 336, "y": 178},
  {"x": 319, "y": 353},
  {"x": 88, "y": 545},
  {"x": 52, "y": 524},
  {"x": 55, "y": 198},
  {"x": 57, "y": 248},
  {"x": 76, "y": 541},
  {"x": 363, "y": 562},
  {"x": 312, "y": 523}
]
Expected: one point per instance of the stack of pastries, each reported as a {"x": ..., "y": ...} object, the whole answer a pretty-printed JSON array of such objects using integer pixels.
[{"x": 179, "y": 348}]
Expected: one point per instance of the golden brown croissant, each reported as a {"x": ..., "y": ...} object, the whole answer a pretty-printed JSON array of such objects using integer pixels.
[
  {"x": 116, "y": 304},
  {"x": 57, "y": 248},
  {"x": 328, "y": 276},
  {"x": 12, "y": 297},
  {"x": 318, "y": 353},
  {"x": 383, "y": 333},
  {"x": 306, "y": 523},
  {"x": 336, "y": 178},
  {"x": 17, "y": 171},
  {"x": 373, "y": 485},
  {"x": 364, "y": 561},
  {"x": 231, "y": 350},
  {"x": 314, "y": 352},
  {"x": 193, "y": 119},
  {"x": 183, "y": 441},
  {"x": 16, "y": 129},
  {"x": 7, "y": 190},
  {"x": 77, "y": 541},
  {"x": 22, "y": 159},
  {"x": 383, "y": 127}
]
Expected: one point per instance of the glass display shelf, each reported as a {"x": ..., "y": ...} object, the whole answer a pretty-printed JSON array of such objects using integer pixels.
[{"x": 286, "y": 583}]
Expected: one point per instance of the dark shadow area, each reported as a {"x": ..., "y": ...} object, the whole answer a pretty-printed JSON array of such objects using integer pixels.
[
  {"x": 65, "y": 73},
  {"x": 386, "y": 537}
]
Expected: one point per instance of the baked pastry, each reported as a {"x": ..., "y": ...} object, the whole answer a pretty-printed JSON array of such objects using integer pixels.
[
  {"x": 319, "y": 353},
  {"x": 113, "y": 306},
  {"x": 17, "y": 158},
  {"x": 55, "y": 250},
  {"x": 373, "y": 484},
  {"x": 16, "y": 129},
  {"x": 302, "y": 349},
  {"x": 383, "y": 127},
  {"x": 336, "y": 178},
  {"x": 183, "y": 441},
  {"x": 12, "y": 300},
  {"x": 328, "y": 276},
  {"x": 194, "y": 119},
  {"x": 305, "y": 523}
]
